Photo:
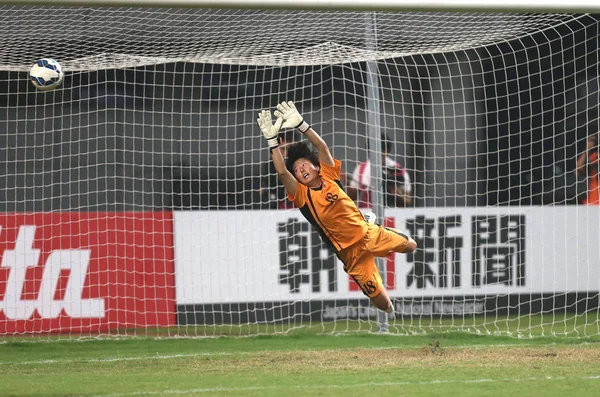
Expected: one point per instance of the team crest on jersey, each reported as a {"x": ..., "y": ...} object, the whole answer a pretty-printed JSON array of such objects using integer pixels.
[{"x": 331, "y": 197}]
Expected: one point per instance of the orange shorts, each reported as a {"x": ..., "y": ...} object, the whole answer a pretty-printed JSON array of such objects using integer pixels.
[{"x": 359, "y": 258}]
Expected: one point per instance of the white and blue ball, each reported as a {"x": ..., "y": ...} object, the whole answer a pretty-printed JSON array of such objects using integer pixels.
[{"x": 46, "y": 74}]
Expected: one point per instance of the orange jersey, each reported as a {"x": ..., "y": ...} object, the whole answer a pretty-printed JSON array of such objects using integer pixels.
[{"x": 330, "y": 210}]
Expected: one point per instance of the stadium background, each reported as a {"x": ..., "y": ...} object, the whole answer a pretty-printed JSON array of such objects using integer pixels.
[
  {"x": 102, "y": 256},
  {"x": 499, "y": 125}
]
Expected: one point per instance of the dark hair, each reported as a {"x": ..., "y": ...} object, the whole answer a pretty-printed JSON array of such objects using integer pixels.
[{"x": 300, "y": 150}]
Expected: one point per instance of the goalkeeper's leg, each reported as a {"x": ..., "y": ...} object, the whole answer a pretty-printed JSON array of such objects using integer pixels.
[
  {"x": 385, "y": 240},
  {"x": 365, "y": 273},
  {"x": 383, "y": 302}
]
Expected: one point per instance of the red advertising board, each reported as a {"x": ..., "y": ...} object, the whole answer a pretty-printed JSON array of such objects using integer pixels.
[{"x": 86, "y": 272}]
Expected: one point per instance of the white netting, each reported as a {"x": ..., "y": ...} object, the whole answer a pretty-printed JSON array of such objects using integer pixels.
[
  {"x": 100, "y": 38},
  {"x": 137, "y": 198}
]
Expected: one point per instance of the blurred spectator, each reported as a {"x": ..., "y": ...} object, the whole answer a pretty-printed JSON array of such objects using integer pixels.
[
  {"x": 587, "y": 165},
  {"x": 272, "y": 193},
  {"x": 395, "y": 181}
]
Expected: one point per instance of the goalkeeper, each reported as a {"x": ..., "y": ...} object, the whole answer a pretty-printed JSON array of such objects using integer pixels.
[{"x": 312, "y": 181}]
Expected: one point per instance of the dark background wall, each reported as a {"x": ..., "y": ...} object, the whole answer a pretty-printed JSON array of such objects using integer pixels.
[{"x": 495, "y": 125}]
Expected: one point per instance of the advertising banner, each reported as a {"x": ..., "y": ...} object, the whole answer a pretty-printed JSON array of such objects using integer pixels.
[
  {"x": 84, "y": 272},
  {"x": 468, "y": 258}
]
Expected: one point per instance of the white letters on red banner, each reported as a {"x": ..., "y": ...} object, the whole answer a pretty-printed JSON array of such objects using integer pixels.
[
  {"x": 86, "y": 272},
  {"x": 22, "y": 257}
]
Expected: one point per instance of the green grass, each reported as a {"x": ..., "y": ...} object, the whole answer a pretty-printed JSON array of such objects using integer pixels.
[{"x": 313, "y": 360}]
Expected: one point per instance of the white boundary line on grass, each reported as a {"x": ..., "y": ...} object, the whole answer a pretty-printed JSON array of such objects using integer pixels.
[
  {"x": 215, "y": 354},
  {"x": 347, "y": 386},
  {"x": 114, "y": 359}
]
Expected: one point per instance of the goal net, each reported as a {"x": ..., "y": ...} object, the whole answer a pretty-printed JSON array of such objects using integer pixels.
[{"x": 138, "y": 197}]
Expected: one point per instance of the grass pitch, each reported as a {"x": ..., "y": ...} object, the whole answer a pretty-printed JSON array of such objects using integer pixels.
[{"x": 304, "y": 362}]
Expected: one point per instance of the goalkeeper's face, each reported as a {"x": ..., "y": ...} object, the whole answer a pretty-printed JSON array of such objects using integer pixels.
[{"x": 307, "y": 173}]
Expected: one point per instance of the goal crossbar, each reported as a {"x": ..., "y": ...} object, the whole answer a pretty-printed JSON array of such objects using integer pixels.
[{"x": 539, "y": 6}]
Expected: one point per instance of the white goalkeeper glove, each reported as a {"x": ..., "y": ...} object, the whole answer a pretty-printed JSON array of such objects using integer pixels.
[
  {"x": 291, "y": 116},
  {"x": 269, "y": 130}
]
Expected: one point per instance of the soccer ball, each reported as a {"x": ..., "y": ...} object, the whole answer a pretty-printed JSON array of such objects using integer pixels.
[{"x": 46, "y": 74}]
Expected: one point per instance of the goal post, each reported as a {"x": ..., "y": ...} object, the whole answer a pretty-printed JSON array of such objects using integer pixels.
[{"x": 138, "y": 200}]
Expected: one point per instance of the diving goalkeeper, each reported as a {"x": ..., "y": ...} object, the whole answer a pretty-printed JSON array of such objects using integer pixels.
[{"x": 312, "y": 182}]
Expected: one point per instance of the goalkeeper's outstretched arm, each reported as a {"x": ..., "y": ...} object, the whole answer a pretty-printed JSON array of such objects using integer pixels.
[
  {"x": 293, "y": 119},
  {"x": 271, "y": 133}
]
